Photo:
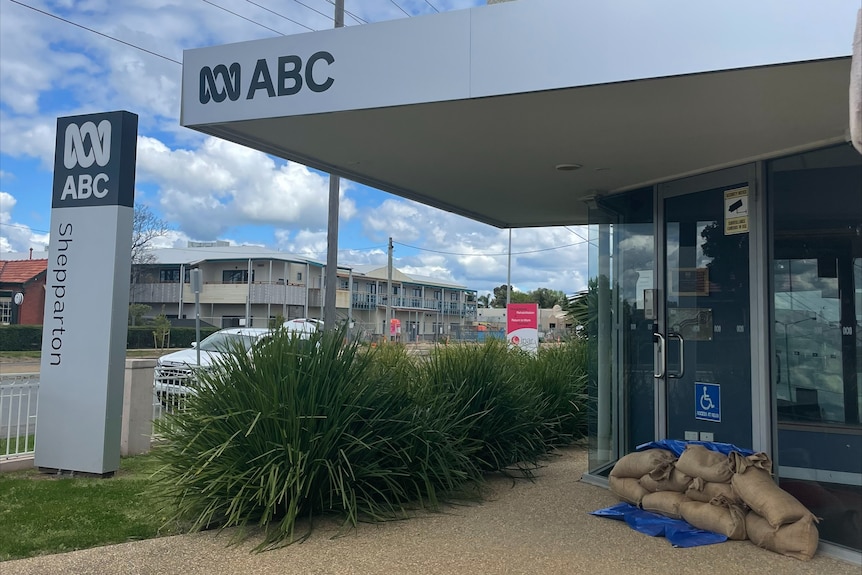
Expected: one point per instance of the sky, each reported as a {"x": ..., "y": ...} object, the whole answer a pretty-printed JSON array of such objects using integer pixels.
[{"x": 208, "y": 189}]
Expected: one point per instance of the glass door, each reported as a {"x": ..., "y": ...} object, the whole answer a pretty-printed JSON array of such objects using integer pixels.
[
  {"x": 618, "y": 323},
  {"x": 703, "y": 335}
]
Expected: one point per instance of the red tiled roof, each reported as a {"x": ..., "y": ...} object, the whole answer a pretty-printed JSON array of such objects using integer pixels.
[{"x": 21, "y": 271}]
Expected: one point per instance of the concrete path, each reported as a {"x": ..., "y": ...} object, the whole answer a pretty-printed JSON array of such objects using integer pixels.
[{"x": 539, "y": 528}]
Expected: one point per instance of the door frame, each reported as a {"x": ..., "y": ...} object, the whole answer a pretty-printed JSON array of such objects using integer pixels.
[{"x": 761, "y": 396}]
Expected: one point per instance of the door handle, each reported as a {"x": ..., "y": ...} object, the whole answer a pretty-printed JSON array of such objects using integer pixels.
[
  {"x": 681, "y": 372},
  {"x": 661, "y": 354}
]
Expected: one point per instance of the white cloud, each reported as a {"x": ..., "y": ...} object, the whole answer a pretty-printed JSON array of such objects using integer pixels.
[
  {"x": 15, "y": 237},
  {"x": 307, "y": 243},
  {"x": 475, "y": 254},
  {"x": 221, "y": 185}
]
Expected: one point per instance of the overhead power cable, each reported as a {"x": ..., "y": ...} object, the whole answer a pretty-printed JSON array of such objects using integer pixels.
[
  {"x": 23, "y": 227},
  {"x": 397, "y": 5},
  {"x": 349, "y": 13},
  {"x": 281, "y": 15},
  {"x": 432, "y": 6},
  {"x": 325, "y": 15},
  {"x": 248, "y": 19},
  {"x": 109, "y": 37}
]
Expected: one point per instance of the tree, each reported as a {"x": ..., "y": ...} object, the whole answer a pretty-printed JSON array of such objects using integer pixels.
[
  {"x": 499, "y": 300},
  {"x": 484, "y": 300},
  {"x": 548, "y": 298},
  {"x": 146, "y": 228},
  {"x": 137, "y": 311}
]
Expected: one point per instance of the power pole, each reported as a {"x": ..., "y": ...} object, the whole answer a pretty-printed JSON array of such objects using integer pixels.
[
  {"x": 331, "y": 280},
  {"x": 388, "y": 327},
  {"x": 509, "y": 273}
]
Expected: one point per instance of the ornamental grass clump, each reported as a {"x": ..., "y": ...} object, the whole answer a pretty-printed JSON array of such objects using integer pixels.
[
  {"x": 559, "y": 374},
  {"x": 498, "y": 410},
  {"x": 295, "y": 429}
]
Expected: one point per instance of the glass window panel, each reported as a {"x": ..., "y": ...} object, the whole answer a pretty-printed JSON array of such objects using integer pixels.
[{"x": 817, "y": 350}]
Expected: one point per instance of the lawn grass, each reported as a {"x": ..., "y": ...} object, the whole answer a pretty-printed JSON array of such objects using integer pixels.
[
  {"x": 130, "y": 353},
  {"x": 41, "y": 514},
  {"x": 20, "y": 354},
  {"x": 18, "y": 444}
]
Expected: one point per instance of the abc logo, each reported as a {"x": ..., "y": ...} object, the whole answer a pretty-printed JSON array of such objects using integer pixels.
[
  {"x": 289, "y": 76},
  {"x": 84, "y": 146},
  {"x": 75, "y": 153}
]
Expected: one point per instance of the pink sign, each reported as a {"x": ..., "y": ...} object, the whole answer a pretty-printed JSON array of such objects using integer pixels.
[{"x": 522, "y": 326}]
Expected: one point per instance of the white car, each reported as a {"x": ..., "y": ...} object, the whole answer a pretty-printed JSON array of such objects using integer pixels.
[
  {"x": 174, "y": 369},
  {"x": 304, "y": 326}
]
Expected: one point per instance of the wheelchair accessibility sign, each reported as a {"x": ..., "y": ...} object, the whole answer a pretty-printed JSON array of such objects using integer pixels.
[{"x": 707, "y": 402}]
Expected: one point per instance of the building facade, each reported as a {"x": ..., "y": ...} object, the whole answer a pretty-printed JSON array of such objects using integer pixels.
[
  {"x": 716, "y": 175},
  {"x": 22, "y": 291},
  {"x": 251, "y": 286}
]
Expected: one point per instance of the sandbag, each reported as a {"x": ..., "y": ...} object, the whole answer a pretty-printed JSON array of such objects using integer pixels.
[
  {"x": 706, "y": 491},
  {"x": 676, "y": 480},
  {"x": 640, "y": 463},
  {"x": 739, "y": 462},
  {"x": 628, "y": 489},
  {"x": 797, "y": 539},
  {"x": 760, "y": 492},
  {"x": 729, "y": 521},
  {"x": 699, "y": 461},
  {"x": 664, "y": 503}
]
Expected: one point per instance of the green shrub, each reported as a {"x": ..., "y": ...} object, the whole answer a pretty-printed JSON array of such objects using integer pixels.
[
  {"x": 141, "y": 337},
  {"x": 293, "y": 430},
  {"x": 20, "y": 338},
  {"x": 29, "y": 337},
  {"x": 497, "y": 408},
  {"x": 559, "y": 374}
]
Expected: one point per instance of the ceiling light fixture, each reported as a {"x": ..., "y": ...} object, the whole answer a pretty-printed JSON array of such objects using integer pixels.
[{"x": 568, "y": 167}]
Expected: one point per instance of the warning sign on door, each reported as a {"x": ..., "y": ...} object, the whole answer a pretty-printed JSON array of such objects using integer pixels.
[{"x": 736, "y": 211}]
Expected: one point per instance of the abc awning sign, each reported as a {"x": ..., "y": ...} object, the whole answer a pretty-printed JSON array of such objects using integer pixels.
[{"x": 94, "y": 164}]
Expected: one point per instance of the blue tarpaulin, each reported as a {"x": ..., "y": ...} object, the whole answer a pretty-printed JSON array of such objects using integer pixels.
[
  {"x": 677, "y": 531},
  {"x": 677, "y": 446}
]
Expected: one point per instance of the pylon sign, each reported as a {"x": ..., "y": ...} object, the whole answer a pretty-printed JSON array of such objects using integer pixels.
[{"x": 87, "y": 294}]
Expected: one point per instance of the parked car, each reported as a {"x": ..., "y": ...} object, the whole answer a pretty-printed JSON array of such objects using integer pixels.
[
  {"x": 174, "y": 370},
  {"x": 304, "y": 326}
]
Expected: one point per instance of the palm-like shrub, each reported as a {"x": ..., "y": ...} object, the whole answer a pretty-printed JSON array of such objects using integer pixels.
[
  {"x": 495, "y": 407},
  {"x": 295, "y": 429}
]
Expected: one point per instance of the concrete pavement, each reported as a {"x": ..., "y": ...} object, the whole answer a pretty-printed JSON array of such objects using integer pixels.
[{"x": 538, "y": 528}]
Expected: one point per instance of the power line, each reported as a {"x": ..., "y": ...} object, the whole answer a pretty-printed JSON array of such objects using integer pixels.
[
  {"x": 576, "y": 233},
  {"x": 281, "y": 15},
  {"x": 432, "y": 6},
  {"x": 349, "y": 13},
  {"x": 315, "y": 10},
  {"x": 23, "y": 227},
  {"x": 109, "y": 37},
  {"x": 397, "y": 5},
  {"x": 246, "y": 19},
  {"x": 491, "y": 255}
]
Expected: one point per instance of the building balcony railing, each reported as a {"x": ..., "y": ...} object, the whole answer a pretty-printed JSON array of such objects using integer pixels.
[
  {"x": 372, "y": 301},
  {"x": 226, "y": 293},
  {"x": 279, "y": 293}
]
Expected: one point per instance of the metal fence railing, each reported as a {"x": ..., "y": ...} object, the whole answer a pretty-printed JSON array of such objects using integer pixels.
[
  {"x": 19, "y": 399},
  {"x": 170, "y": 389}
]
